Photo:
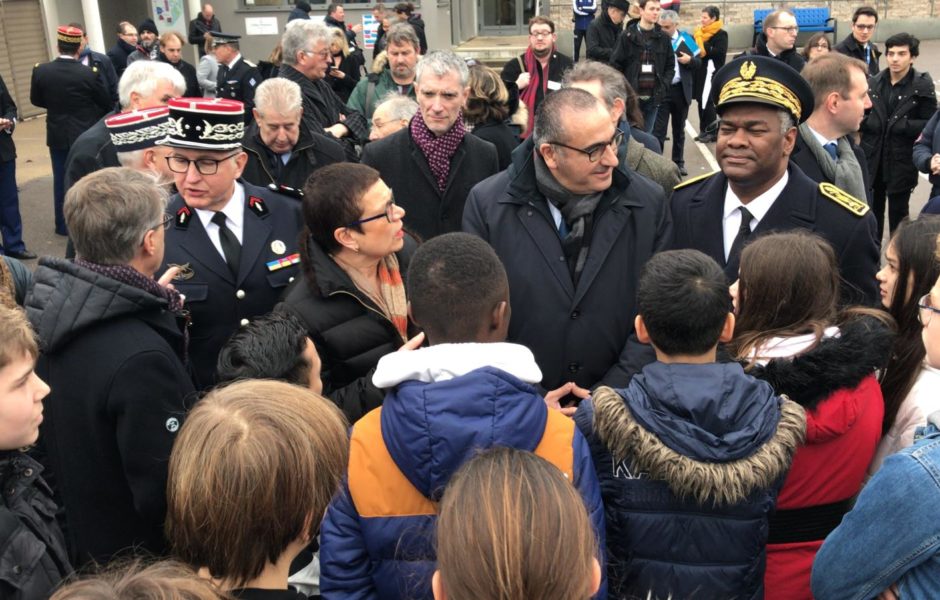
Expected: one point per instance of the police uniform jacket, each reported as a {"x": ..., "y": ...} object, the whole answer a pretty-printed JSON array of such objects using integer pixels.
[
  {"x": 238, "y": 82},
  {"x": 697, "y": 211},
  {"x": 218, "y": 301},
  {"x": 7, "y": 111},
  {"x": 74, "y": 97},
  {"x": 312, "y": 151},
  {"x": 804, "y": 159}
]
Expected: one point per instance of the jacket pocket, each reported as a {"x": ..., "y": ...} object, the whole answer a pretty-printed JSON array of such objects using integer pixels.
[
  {"x": 282, "y": 277},
  {"x": 194, "y": 292},
  {"x": 19, "y": 558}
]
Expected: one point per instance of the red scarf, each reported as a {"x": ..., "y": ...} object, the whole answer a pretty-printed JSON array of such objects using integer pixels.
[
  {"x": 439, "y": 150},
  {"x": 529, "y": 94}
]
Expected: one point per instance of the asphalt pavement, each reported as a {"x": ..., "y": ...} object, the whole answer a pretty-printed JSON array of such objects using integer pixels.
[{"x": 34, "y": 171}]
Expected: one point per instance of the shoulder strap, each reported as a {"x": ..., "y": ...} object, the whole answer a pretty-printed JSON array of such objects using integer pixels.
[
  {"x": 694, "y": 180},
  {"x": 370, "y": 92},
  {"x": 843, "y": 199}
]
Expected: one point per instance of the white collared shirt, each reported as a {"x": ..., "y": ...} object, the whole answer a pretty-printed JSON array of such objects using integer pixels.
[
  {"x": 758, "y": 207},
  {"x": 822, "y": 140},
  {"x": 235, "y": 60},
  {"x": 677, "y": 76},
  {"x": 234, "y": 218}
]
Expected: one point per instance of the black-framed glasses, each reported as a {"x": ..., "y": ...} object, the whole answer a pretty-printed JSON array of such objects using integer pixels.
[
  {"x": 389, "y": 214},
  {"x": 595, "y": 152},
  {"x": 205, "y": 166},
  {"x": 925, "y": 311},
  {"x": 863, "y": 27}
]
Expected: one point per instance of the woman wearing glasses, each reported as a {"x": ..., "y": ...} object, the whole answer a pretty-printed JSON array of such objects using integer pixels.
[
  {"x": 791, "y": 333},
  {"x": 911, "y": 387},
  {"x": 354, "y": 251}
]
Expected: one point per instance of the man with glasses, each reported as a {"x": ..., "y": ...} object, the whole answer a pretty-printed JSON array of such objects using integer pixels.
[
  {"x": 237, "y": 78},
  {"x": 235, "y": 243},
  {"x": 538, "y": 71},
  {"x": 573, "y": 228},
  {"x": 125, "y": 45},
  {"x": 778, "y": 39},
  {"x": 432, "y": 164},
  {"x": 306, "y": 54},
  {"x": 858, "y": 44}
]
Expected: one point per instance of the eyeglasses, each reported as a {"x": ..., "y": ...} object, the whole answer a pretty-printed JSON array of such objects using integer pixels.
[
  {"x": 822, "y": 45},
  {"x": 926, "y": 311},
  {"x": 205, "y": 166},
  {"x": 864, "y": 27},
  {"x": 595, "y": 152},
  {"x": 540, "y": 34},
  {"x": 322, "y": 53},
  {"x": 389, "y": 214},
  {"x": 790, "y": 29},
  {"x": 164, "y": 222}
]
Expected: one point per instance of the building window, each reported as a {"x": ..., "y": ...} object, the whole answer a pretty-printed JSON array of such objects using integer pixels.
[{"x": 314, "y": 4}]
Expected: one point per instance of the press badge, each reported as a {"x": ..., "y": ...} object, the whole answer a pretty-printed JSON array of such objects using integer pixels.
[
  {"x": 647, "y": 68},
  {"x": 553, "y": 85}
]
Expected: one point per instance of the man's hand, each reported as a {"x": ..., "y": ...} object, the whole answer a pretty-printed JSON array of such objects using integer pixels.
[
  {"x": 337, "y": 130},
  {"x": 522, "y": 80},
  {"x": 412, "y": 344},
  {"x": 357, "y": 27},
  {"x": 935, "y": 164},
  {"x": 5, "y": 124},
  {"x": 890, "y": 594},
  {"x": 683, "y": 59},
  {"x": 553, "y": 398},
  {"x": 166, "y": 280}
]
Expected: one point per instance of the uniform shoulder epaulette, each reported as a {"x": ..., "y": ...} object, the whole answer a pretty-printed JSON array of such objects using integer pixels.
[
  {"x": 250, "y": 64},
  {"x": 695, "y": 179},
  {"x": 36, "y": 65},
  {"x": 844, "y": 199}
]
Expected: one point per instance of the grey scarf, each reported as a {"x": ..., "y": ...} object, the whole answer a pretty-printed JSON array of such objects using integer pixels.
[
  {"x": 845, "y": 173},
  {"x": 577, "y": 213}
]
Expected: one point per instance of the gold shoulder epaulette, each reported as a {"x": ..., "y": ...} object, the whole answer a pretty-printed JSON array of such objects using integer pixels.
[
  {"x": 844, "y": 199},
  {"x": 695, "y": 179},
  {"x": 36, "y": 65}
]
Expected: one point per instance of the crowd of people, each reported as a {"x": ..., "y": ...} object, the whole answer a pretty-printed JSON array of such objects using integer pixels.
[{"x": 427, "y": 329}]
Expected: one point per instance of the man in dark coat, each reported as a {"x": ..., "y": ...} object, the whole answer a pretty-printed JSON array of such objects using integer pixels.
[
  {"x": 539, "y": 70},
  {"x": 778, "y": 39},
  {"x": 927, "y": 153},
  {"x": 113, "y": 346},
  {"x": 125, "y": 45},
  {"x": 306, "y": 50},
  {"x": 902, "y": 101},
  {"x": 675, "y": 107},
  {"x": 100, "y": 64},
  {"x": 280, "y": 151},
  {"x": 235, "y": 243},
  {"x": 433, "y": 163},
  {"x": 11, "y": 225},
  {"x": 237, "y": 78},
  {"x": 644, "y": 55},
  {"x": 603, "y": 31},
  {"x": 171, "y": 53},
  {"x": 825, "y": 150},
  {"x": 759, "y": 101},
  {"x": 336, "y": 17},
  {"x": 75, "y": 98},
  {"x": 858, "y": 44},
  {"x": 199, "y": 27},
  {"x": 301, "y": 10},
  {"x": 573, "y": 228}
]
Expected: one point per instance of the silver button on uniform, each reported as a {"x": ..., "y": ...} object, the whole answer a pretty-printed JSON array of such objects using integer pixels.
[{"x": 240, "y": 294}]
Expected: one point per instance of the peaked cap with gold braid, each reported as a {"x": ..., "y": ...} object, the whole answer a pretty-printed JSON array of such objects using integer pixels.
[{"x": 764, "y": 80}]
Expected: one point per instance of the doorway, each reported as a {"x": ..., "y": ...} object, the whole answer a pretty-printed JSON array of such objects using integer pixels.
[{"x": 506, "y": 17}]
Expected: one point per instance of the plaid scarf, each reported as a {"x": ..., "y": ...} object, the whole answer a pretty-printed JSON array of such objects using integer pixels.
[
  {"x": 391, "y": 293},
  {"x": 439, "y": 150}
]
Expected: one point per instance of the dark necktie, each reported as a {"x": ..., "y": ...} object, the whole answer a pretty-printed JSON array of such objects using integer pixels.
[
  {"x": 223, "y": 72},
  {"x": 744, "y": 231},
  {"x": 832, "y": 149},
  {"x": 230, "y": 246}
]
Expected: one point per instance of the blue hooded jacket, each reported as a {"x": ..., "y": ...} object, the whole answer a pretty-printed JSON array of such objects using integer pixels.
[
  {"x": 690, "y": 458},
  {"x": 430, "y": 429}
]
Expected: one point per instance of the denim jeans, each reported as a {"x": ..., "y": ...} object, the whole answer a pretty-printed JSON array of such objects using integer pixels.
[{"x": 892, "y": 536}]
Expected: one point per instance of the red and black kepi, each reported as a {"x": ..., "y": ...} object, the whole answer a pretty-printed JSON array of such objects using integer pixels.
[{"x": 205, "y": 123}]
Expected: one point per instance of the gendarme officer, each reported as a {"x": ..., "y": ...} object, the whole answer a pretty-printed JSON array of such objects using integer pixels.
[
  {"x": 234, "y": 243},
  {"x": 760, "y": 101},
  {"x": 237, "y": 77}
]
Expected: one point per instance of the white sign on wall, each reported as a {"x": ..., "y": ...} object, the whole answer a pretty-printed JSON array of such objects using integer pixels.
[{"x": 261, "y": 26}]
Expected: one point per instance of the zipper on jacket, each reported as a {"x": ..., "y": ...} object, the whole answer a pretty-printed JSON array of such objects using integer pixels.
[{"x": 364, "y": 305}]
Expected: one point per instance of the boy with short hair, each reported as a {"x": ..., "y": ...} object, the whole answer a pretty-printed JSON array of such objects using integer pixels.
[
  {"x": 33, "y": 549},
  {"x": 691, "y": 454},
  {"x": 469, "y": 390}
]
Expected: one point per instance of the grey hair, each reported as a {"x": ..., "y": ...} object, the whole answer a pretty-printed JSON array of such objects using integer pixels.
[
  {"x": 402, "y": 33},
  {"x": 278, "y": 95},
  {"x": 613, "y": 83},
  {"x": 669, "y": 15},
  {"x": 142, "y": 77},
  {"x": 132, "y": 159},
  {"x": 398, "y": 106},
  {"x": 440, "y": 63},
  {"x": 787, "y": 122},
  {"x": 302, "y": 35},
  {"x": 108, "y": 212},
  {"x": 547, "y": 127}
]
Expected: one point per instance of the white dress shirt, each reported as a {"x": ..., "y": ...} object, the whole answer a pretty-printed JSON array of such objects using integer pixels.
[
  {"x": 758, "y": 207},
  {"x": 234, "y": 219}
]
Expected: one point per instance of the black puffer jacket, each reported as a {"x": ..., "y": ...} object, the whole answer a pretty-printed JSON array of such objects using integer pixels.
[
  {"x": 351, "y": 333},
  {"x": 33, "y": 559}
]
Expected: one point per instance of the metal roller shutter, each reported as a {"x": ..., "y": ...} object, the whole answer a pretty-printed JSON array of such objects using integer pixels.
[{"x": 22, "y": 45}]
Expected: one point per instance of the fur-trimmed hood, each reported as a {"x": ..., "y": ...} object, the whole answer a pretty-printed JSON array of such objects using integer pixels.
[
  {"x": 712, "y": 433},
  {"x": 839, "y": 362}
]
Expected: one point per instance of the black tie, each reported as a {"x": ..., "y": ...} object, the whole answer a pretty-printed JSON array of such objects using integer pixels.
[
  {"x": 744, "y": 231},
  {"x": 230, "y": 246},
  {"x": 223, "y": 72}
]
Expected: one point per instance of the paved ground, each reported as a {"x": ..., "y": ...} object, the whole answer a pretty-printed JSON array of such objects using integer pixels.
[{"x": 34, "y": 173}]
